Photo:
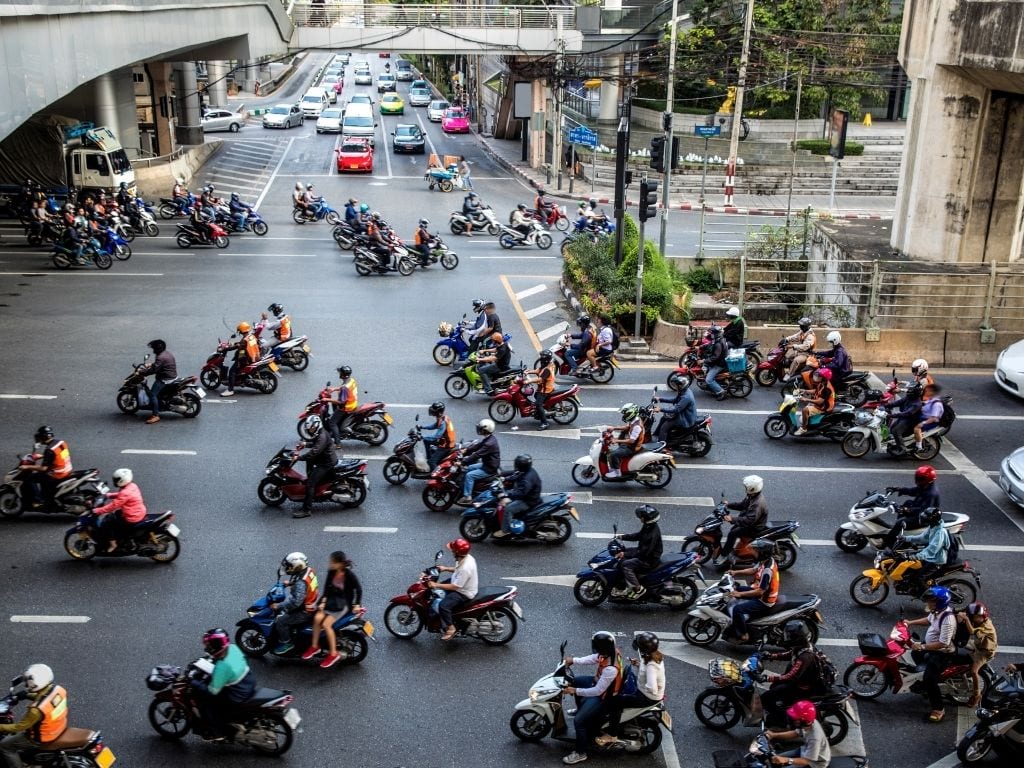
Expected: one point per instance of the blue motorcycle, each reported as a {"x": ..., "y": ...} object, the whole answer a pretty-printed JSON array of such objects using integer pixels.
[
  {"x": 548, "y": 522},
  {"x": 179, "y": 207},
  {"x": 253, "y": 223},
  {"x": 112, "y": 243},
  {"x": 254, "y": 633},
  {"x": 321, "y": 212},
  {"x": 453, "y": 347},
  {"x": 668, "y": 584},
  {"x": 64, "y": 256}
]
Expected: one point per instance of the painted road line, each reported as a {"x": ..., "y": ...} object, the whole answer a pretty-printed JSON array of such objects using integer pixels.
[
  {"x": 552, "y": 330},
  {"x": 273, "y": 175},
  {"x": 686, "y": 501},
  {"x": 28, "y": 397},
  {"x": 519, "y": 311},
  {"x": 558, "y": 581},
  {"x": 50, "y": 619},
  {"x": 537, "y": 311},
  {"x": 104, "y": 273},
  {"x": 220, "y": 400},
  {"x": 156, "y": 452},
  {"x": 976, "y": 476},
  {"x": 357, "y": 529},
  {"x": 506, "y": 258},
  {"x": 557, "y": 434},
  {"x": 949, "y": 761},
  {"x": 840, "y": 642},
  {"x": 531, "y": 291},
  {"x": 988, "y": 418}
]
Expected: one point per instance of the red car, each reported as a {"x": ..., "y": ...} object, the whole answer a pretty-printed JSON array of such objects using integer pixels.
[
  {"x": 355, "y": 155},
  {"x": 455, "y": 120}
]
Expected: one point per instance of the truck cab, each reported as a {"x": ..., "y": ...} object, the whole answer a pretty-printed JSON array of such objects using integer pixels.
[{"x": 96, "y": 160}]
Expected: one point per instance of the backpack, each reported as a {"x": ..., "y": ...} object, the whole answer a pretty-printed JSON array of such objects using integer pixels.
[
  {"x": 948, "y": 415},
  {"x": 630, "y": 684},
  {"x": 828, "y": 674},
  {"x": 953, "y": 553},
  {"x": 615, "y": 340}
]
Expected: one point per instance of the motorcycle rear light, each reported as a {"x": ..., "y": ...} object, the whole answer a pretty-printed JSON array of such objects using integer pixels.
[
  {"x": 97, "y": 747},
  {"x": 286, "y": 700},
  {"x": 362, "y": 467}
]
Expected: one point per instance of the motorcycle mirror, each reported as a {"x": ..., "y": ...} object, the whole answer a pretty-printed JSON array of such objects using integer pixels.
[
  {"x": 615, "y": 528},
  {"x": 561, "y": 649},
  {"x": 438, "y": 556},
  {"x": 417, "y": 417}
]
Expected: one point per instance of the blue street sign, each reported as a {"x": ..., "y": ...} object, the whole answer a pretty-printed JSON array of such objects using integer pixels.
[
  {"x": 707, "y": 131},
  {"x": 583, "y": 135}
]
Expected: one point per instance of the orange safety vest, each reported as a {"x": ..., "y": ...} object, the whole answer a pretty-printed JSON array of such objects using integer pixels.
[
  {"x": 773, "y": 587},
  {"x": 547, "y": 383},
  {"x": 447, "y": 439},
  {"x": 418, "y": 237},
  {"x": 639, "y": 444},
  {"x": 616, "y": 685},
  {"x": 312, "y": 590},
  {"x": 353, "y": 395},
  {"x": 828, "y": 393},
  {"x": 284, "y": 331},
  {"x": 61, "y": 460},
  {"x": 252, "y": 348},
  {"x": 54, "y": 709}
]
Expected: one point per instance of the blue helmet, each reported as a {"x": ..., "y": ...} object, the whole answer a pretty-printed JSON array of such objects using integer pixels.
[{"x": 940, "y": 595}]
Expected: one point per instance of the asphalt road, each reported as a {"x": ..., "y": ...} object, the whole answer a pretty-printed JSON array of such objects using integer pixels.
[{"x": 410, "y": 703}]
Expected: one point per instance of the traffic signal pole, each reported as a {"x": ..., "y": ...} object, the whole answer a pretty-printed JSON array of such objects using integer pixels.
[
  {"x": 668, "y": 126},
  {"x": 640, "y": 261}
]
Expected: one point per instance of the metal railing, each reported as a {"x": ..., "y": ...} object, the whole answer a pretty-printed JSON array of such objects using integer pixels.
[{"x": 357, "y": 14}]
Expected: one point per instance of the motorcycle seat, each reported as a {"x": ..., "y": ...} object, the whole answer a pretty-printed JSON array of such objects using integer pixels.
[
  {"x": 854, "y": 376},
  {"x": 785, "y": 603},
  {"x": 655, "y": 446},
  {"x": 487, "y": 594},
  {"x": 263, "y": 695},
  {"x": 774, "y": 525},
  {"x": 77, "y": 474},
  {"x": 348, "y": 463},
  {"x": 559, "y": 392},
  {"x": 72, "y": 738},
  {"x": 368, "y": 408},
  {"x": 749, "y": 345},
  {"x": 181, "y": 380},
  {"x": 842, "y": 408}
]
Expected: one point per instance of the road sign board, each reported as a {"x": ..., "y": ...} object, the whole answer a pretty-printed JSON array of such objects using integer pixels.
[
  {"x": 583, "y": 135},
  {"x": 707, "y": 131}
]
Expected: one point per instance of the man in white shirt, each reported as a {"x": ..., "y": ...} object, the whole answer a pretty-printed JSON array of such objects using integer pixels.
[{"x": 461, "y": 589}]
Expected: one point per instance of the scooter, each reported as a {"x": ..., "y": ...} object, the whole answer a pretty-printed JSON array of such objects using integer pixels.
[
  {"x": 709, "y": 618},
  {"x": 347, "y": 485},
  {"x": 293, "y": 353},
  {"x": 74, "y": 747},
  {"x": 1000, "y": 726},
  {"x": 871, "y": 433},
  {"x": 708, "y": 537},
  {"x": 652, "y": 466},
  {"x": 439, "y": 252},
  {"x": 445, "y": 483},
  {"x": 179, "y": 207},
  {"x": 76, "y": 494},
  {"x": 761, "y": 754},
  {"x": 833, "y": 425},
  {"x": 368, "y": 263},
  {"x": 409, "y": 459},
  {"x": 602, "y": 373},
  {"x": 737, "y": 384},
  {"x": 542, "y": 713},
  {"x": 562, "y": 405},
  {"x": 346, "y": 236},
  {"x": 259, "y": 374},
  {"x": 156, "y": 537},
  {"x": 484, "y": 219},
  {"x": 452, "y": 346},
  {"x": 511, "y": 238},
  {"x": 492, "y": 616},
  {"x": 64, "y": 256},
  {"x": 211, "y": 234},
  {"x": 253, "y": 223},
  {"x": 140, "y": 216},
  {"x": 892, "y": 571},
  {"x": 695, "y": 441},
  {"x": 548, "y": 522},
  {"x": 178, "y": 396},
  {"x": 465, "y": 378},
  {"x": 321, "y": 212},
  {"x": 867, "y": 523}
]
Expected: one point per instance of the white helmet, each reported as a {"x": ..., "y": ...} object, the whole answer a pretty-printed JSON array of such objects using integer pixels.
[
  {"x": 122, "y": 477},
  {"x": 295, "y": 562},
  {"x": 753, "y": 484},
  {"x": 485, "y": 427},
  {"x": 919, "y": 367},
  {"x": 732, "y": 312},
  {"x": 313, "y": 425},
  {"x": 38, "y": 677},
  {"x": 180, "y": 179},
  {"x": 298, "y": 185},
  {"x": 834, "y": 338}
]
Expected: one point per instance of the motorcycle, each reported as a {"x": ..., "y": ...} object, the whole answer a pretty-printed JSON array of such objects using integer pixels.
[
  {"x": 1000, "y": 726},
  {"x": 833, "y": 425},
  {"x": 697, "y": 340},
  {"x": 871, "y": 433},
  {"x": 253, "y": 223},
  {"x": 140, "y": 216},
  {"x": 439, "y": 252},
  {"x": 156, "y": 537},
  {"x": 548, "y": 522},
  {"x": 409, "y": 459},
  {"x": 64, "y": 256},
  {"x": 210, "y": 234},
  {"x": 492, "y": 616},
  {"x": 734, "y": 383},
  {"x": 709, "y": 618},
  {"x": 265, "y": 722},
  {"x": 321, "y": 212},
  {"x": 346, "y": 236},
  {"x": 602, "y": 374},
  {"x": 445, "y": 483},
  {"x": 510, "y": 238},
  {"x": 47, "y": 231},
  {"x": 367, "y": 262},
  {"x": 452, "y": 346},
  {"x": 892, "y": 570},
  {"x": 562, "y": 405},
  {"x": 708, "y": 537},
  {"x": 74, "y": 495},
  {"x": 761, "y": 754},
  {"x": 695, "y": 441},
  {"x": 465, "y": 378},
  {"x": 867, "y": 523},
  {"x": 483, "y": 219},
  {"x": 346, "y": 485},
  {"x": 293, "y": 353},
  {"x": 651, "y": 466},
  {"x": 258, "y": 375},
  {"x": 78, "y": 747},
  {"x": 554, "y": 216},
  {"x": 179, "y": 396},
  {"x": 851, "y": 388},
  {"x": 774, "y": 367},
  {"x": 114, "y": 244},
  {"x": 181, "y": 207},
  {"x": 368, "y": 423}
]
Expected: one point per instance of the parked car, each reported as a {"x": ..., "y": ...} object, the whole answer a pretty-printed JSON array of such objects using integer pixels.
[
  {"x": 355, "y": 154},
  {"x": 392, "y": 104},
  {"x": 222, "y": 120},
  {"x": 455, "y": 120},
  {"x": 408, "y": 138},
  {"x": 436, "y": 110},
  {"x": 283, "y": 116},
  {"x": 329, "y": 121},
  {"x": 364, "y": 77},
  {"x": 384, "y": 55},
  {"x": 1011, "y": 476},
  {"x": 419, "y": 97},
  {"x": 1010, "y": 369},
  {"x": 386, "y": 82}
]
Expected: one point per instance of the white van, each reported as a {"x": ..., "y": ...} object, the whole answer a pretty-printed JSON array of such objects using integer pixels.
[
  {"x": 314, "y": 102},
  {"x": 358, "y": 121}
]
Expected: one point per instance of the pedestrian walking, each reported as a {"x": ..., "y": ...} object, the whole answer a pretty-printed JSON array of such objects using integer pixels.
[
  {"x": 256, "y": 88},
  {"x": 464, "y": 171}
]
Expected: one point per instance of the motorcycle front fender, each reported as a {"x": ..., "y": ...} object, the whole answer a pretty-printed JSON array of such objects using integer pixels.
[
  {"x": 584, "y": 461},
  {"x": 541, "y": 709},
  {"x": 876, "y": 576},
  {"x": 587, "y": 572},
  {"x": 848, "y": 526},
  {"x": 400, "y": 600},
  {"x": 705, "y": 612}
]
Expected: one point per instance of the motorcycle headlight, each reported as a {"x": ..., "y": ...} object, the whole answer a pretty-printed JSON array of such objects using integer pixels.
[
  {"x": 699, "y": 529},
  {"x": 983, "y": 714},
  {"x": 541, "y": 693},
  {"x": 593, "y": 566}
]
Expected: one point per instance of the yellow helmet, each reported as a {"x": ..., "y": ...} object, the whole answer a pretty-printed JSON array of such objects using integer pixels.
[{"x": 243, "y": 327}]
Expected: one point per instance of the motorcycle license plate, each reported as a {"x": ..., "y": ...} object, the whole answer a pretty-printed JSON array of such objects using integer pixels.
[
  {"x": 368, "y": 629},
  {"x": 305, "y": 348},
  {"x": 174, "y": 530},
  {"x": 672, "y": 460},
  {"x": 574, "y": 513},
  {"x": 796, "y": 539},
  {"x": 105, "y": 758},
  {"x": 388, "y": 419},
  {"x": 666, "y": 719},
  {"x": 274, "y": 367},
  {"x": 201, "y": 393},
  {"x": 292, "y": 718},
  {"x": 517, "y": 610}
]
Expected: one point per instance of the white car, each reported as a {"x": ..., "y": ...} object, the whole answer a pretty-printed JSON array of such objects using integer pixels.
[
  {"x": 420, "y": 97},
  {"x": 1011, "y": 476},
  {"x": 1010, "y": 369},
  {"x": 386, "y": 82},
  {"x": 328, "y": 85},
  {"x": 364, "y": 77},
  {"x": 283, "y": 116},
  {"x": 222, "y": 120},
  {"x": 329, "y": 121},
  {"x": 436, "y": 110}
]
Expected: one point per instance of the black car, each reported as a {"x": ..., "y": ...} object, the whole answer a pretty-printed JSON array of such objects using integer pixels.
[{"x": 408, "y": 138}]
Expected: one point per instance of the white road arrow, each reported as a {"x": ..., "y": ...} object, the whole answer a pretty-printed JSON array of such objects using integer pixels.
[
  {"x": 557, "y": 434},
  {"x": 558, "y": 581}
]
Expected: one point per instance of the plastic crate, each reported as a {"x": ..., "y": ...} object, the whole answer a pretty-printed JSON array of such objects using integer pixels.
[
  {"x": 725, "y": 672},
  {"x": 872, "y": 644},
  {"x": 736, "y": 361}
]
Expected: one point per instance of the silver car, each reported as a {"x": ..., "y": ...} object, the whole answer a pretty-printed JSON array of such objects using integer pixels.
[
  {"x": 283, "y": 116},
  {"x": 436, "y": 110},
  {"x": 222, "y": 120},
  {"x": 1011, "y": 476},
  {"x": 364, "y": 77},
  {"x": 420, "y": 97}
]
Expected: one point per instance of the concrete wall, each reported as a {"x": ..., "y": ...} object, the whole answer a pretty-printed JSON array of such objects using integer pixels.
[{"x": 156, "y": 177}]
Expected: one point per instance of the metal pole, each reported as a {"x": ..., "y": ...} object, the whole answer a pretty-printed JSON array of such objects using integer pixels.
[
  {"x": 526, "y": 126},
  {"x": 556, "y": 154},
  {"x": 832, "y": 189},
  {"x": 796, "y": 137},
  {"x": 621, "y": 153},
  {"x": 704, "y": 173},
  {"x": 639, "y": 283},
  {"x": 700, "y": 242},
  {"x": 593, "y": 170},
  {"x": 734, "y": 136},
  {"x": 743, "y": 276},
  {"x": 572, "y": 165},
  {"x": 669, "y": 154},
  {"x": 986, "y": 321}
]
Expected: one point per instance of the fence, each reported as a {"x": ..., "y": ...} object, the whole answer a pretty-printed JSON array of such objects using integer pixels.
[{"x": 357, "y": 14}]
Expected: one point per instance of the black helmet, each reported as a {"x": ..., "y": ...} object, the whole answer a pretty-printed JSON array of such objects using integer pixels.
[
  {"x": 523, "y": 462},
  {"x": 234, "y": 197},
  {"x": 763, "y": 550},
  {"x": 436, "y": 409},
  {"x": 583, "y": 321},
  {"x": 930, "y": 516},
  {"x": 683, "y": 383},
  {"x": 615, "y": 546},
  {"x": 344, "y": 371},
  {"x": 795, "y": 635},
  {"x": 647, "y": 514},
  {"x": 645, "y": 642},
  {"x": 275, "y": 308},
  {"x": 715, "y": 331},
  {"x": 545, "y": 357},
  {"x": 521, "y": 206},
  {"x": 44, "y": 434},
  {"x": 157, "y": 345},
  {"x": 478, "y": 305},
  {"x": 123, "y": 185},
  {"x": 603, "y": 644},
  {"x": 804, "y": 323}
]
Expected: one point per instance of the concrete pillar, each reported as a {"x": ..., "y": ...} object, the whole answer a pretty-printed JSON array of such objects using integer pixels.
[
  {"x": 217, "y": 91},
  {"x": 611, "y": 92},
  {"x": 128, "y": 120},
  {"x": 188, "y": 128},
  {"x": 163, "y": 106},
  {"x": 106, "y": 102},
  {"x": 538, "y": 137}
]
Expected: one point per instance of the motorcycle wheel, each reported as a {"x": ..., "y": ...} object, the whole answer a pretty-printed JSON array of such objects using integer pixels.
[
  {"x": 402, "y": 621},
  {"x": 835, "y": 725},
  {"x": 456, "y": 226},
  {"x": 856, "y": 395},
  {"x": 473, "y": 529},
  {"x": 564, "y": 528},
  {"x": 700, "y": 631},
  {"x": 443, "y": 355},
  {"x": 690, "y": 592},
  {"x": 273, "y": 725},
  {"x": 79, "y": 548},
  {"x": 776, "y": 427},
  {"x": 193, "y": 405},
  {"x": 406, "y": 267},
  {"x": 438, "y": 499},
  {"x": 127, "y": 402},
  {"x": 565, "y": 412},
  {"x": 649, "y": 732},
  {"x": 61, "y": 261},
  {"x": 102, "y": 261},
  {"x": 35, "y": 240},
  {"x": 251, "y": 641},
  {"x": 528, "y": 725},
  {"x": 167, "y": 211},
  {"x": 930, "y": 447},
  {"x": 396, "y": 471},
  {"x": 298, "y": 216},
  {"x": 766, "y": 377},
  {"x": 562, "y": 223},
  {"x": 590, "y": 591},
  {"x": 151, "y": 229},
  {"x": 975, "y": 745},
  {"x": 296, "y": 359},
  {"x": 344, "y": 242},
  {"x": 260, "y": 228},
  {"x": 371, "y": 432},
  {"x": 183, "y": 241},
  {"x": 703, "y": 549},
  {"x": 333, "y": 218},
  {"x": 270, "y": 492},
  {"x": 675, "y": 381},
  {"x": 585, "y": 475},
  {"x": 123, "y": 253},
  {"x": 502, "y": 411},
  {"x": 855, "y": 445},
  {"x": 603, "y": 374},
  {"x": 543, "y": 240},
  {"x": 210, "y": 378},
  {"x": 446, "y": 185},
  {"x": 863, "y": 594},
  {"x": 221, "y": 241},
  {"x": 716, "y": 709},
  {"x": 785, "y": 555},
  {"x": 493, "y": 230},
  {"x": 267, "y": 383},
  {"x": 361, "y": 268},
  {"x": 505, "y": 240},
  {"x": 169, "y": 719},
  {"x": 456, "y": 386},
  {"x": 172, "y": 548},
  {"x": 357, "y": 648},
  {"x": 700, "y": 446},
  {"x": 741, "y": 386},
  {"x": 961, "y": 593},
  {"x": 662, "y": 476},
  {"x": 358, "y": 489},
  {"x": 850, "y": 541},
  {"x": 10, "y": 502},
  {"x": 865, "y": 681},
  {"x": 449, "y": 260},
  {"x": 509, "y": 623}
]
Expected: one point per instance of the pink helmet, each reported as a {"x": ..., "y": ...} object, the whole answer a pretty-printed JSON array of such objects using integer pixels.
[
  {"x": 802, "y": 713},
  {"x": 216, "y": 642},
  {"x": 825, "y": 373}
]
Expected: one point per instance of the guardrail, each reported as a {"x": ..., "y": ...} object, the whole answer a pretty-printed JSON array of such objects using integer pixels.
[{"x": 309, "y": 14}]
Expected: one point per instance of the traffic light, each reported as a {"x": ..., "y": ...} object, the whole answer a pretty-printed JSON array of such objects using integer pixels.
[
  {"x": 658, "y": 153},
  {"x": 675, "y": 153},
  {"x": 648, "y": 199}
]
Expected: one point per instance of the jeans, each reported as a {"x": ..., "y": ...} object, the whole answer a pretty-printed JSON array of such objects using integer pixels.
[
  {"x": 616, "y": 704},
  {"x": 317, "y": 474},
  {"x": 239, "y": 219},
  {"x": 590, "y": 712},
  {"x": 573, "y": 355},
  {"x": 512, "y": 510},
  {"x": 40, "y": 488},
  {"x": 629, "y": 567},
  {"x": 934, "y": 662},
  {"x": 487, "y": 371},
  {"x": 539, "y": 398},
  {"x": 216, "y": 711},
  {"x": 618, "y": 453},
  {"x": 11, "y": 745},
  {"x": 434, "y": 453},
  {"x": 154, "y": 396},
  {"x": 452, "y": 602},
  {"x": 709, "y": 379},
  {"x": 474, "y": 472},
  {"x": 284, "y": 622},
  {"x": 744, "y": 611}
]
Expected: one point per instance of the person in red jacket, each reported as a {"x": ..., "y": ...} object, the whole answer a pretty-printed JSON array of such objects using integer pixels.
[{"x": 127, "y": 506}]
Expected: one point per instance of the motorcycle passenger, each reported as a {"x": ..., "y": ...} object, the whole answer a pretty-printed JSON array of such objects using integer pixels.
[
  {"x": 342, "y": 595},
  {"x": 815, "y": 751},
  {"x": 439, "y": 438},
  {"x": 935, "y": 541},
  {"x": 45, "y": 719},
  {"x": 524, "y": 494},
  {"x": 798, "y": 347},
  {"x": 361, "y": 224},
  {"x": 603, "y": 345},
  {"x": 646, "y": 555},
  {"x": 682, "y": 414},
  {"x": 759, "y": 598},
  {"x": 247, "y": 351},
  {"x": 630, "y": 440},
  {"x": 351, "y": 213},
  {"x": 543, "y": 378},
  {"x": 490, "y": 323},
  {"x": 485, "y": 455},
  {"x": 650, "y": 685},
  {"x": 164, "y": 370},
  {"x": 836, "y": 359},
  {"x": 297, "y": 195},
  {"x": 493, "y": 362},
  {"x": 593, "y": 692},
  {"x": 239, "y": 211},
  {"x": 377, "y": 242},
  {"x": 463, "y": 586},
  {"x": 574, "y": 352},
  {"x": 476, "y": 332},
  {"x": 421, "y": 239},
  {"x": 714, "y": 361},
  {"x": 311, "y": 199},
  {"x": 982, "y": 645},
  {"x": 822, "y": 400},
  {"x": 52, "y": 466},
  {"x": 74, "y": 241},
  {"x": 129, "y": 508},
  {"x": 521, "y": 223},
  {"x": 735, "y": 329},
  {"x": 802, "y": 678},
  {"x": 937, "y": 651},
  {"x": 179, "y": 193},
  {"x": 919, "y": 368},
  {"x": 470, "y": 210},
  {"x": 302, "y": 590},
  {"x": 231, "y": 683},
  {"x": 320, "y": 460},
  {"x": 752, "y": 517},
  {"x": 280, "y": 325},
  {"x": 926, "y": 496},
  {"x": 931, "y": 414}
]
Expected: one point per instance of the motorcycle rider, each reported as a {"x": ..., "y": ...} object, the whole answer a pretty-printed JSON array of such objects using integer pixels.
[
  {"x": 43, "y": 722},
  {"x": 646, "y": 555},
  {"x": 342, "y": 595},
  {"x": 200, "y": 221},
  {"x": 821, "y": 400},
  {"x": 463, "y": 586},
  {"x": 593, "y": 692},
  {"x": 179, "y": 193},
  {"x": 520, "y": 222},
  {"x": 377, "y": 242},
  {"x": 302, "y": 593},
  {"x": 574, "y": 352},
  {"x": 759, "y": 598},
  {"x": 53, "y": 466},
  {"x": 650, "y": 685},
  {"x": 470, "y": 210},
  {"x": 297, "y": 195},
  {"x": 836, "y": 359},
  {"x": 983, "y": 642},
  {"x": 479, "y": 322},
  {"x": 735, "y": 329},
  {"x": 752, "y": 517},
  {"x": 815, "y": 751},
  {"x": 491, "y": 325},
  {"x": 543, "y": 378},
  {"x": 524, "y": 494},
  {"x": 630, "y": 440},
  {"x": 164, "y": 370},
  {"x": 493, "y": 362},
  {"x": 320, "y": 458},
  {"x": 239, "y": 211},
  {"x": 906, "y": 412},
  {"x": 126, "y": 503},
  {"x": 247, "y": 351},
  {"x": 481, "y": 458},
  {"x": 937, "y": 651},
  {"x": 931, "y": 414},
  {"x": 802, "y": 678},
  {"x": 714, "y": 362},
  {"x": 603, "y": 344},
  {"x": 421, "y": 239},
  {"x": 351, "y": 212},
  {"x": 344, "y": 406},
  {"x": 542, "y": 206},
  {"x": 919, "y": 368},
  {"x": 231, "y": 683},
  {"x": 281, "y": 325},
  {"x": 124, "y": 197},
  {"x": 682, "y": 414},
  {"x": 926, "y": 496},
  {"x": 362, "y": 223},
  {"x": 935, "y": 541},
  {"x": 798, "y": 347},
  {"x": 74, "y": 240},
  {"x": 439, "y": 438},
  {"x": 310, "y": 199}
]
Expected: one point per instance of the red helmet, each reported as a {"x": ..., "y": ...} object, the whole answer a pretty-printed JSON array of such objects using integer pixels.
[
  {"x": 802, "y": 713},
  {"x": 458, "y": 547},
  {"x": 216, "y": 642},
  {"x": 925, "y": 474},
  {"x": 825, "y": 373},
  {"x": 977, "y": 608}
]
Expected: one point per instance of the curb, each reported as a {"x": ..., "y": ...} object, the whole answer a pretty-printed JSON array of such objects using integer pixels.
[{"x": 622, "y": 353}]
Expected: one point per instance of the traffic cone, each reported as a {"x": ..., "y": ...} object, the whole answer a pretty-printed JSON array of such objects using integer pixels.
[{"x": 867, "y": 120}]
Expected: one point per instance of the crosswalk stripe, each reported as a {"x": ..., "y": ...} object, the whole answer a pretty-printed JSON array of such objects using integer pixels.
[
  {"x": 532, "y": 313},
  {"x": 531, "y": 291},
  {"x": 554, "y": 330}
]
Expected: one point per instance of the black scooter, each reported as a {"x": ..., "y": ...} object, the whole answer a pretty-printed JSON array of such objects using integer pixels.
[{"x": 1000, "y": 726}]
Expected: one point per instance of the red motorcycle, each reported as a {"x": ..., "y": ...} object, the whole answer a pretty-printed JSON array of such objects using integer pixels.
[
  {"x": 602, "y": 374},
  {"x": 259, "y": 375},
  {"x": 556, "y": 217},
  {"x": 368, "y": 423},
  {"x": 734, "y": 384},
  {"x": 696, "y": 344},
  {"x": 492, "y": 616},
  {"x": 445, "y": 483},
  {"x": 562, "y": 405},
  {"x": 210, "y": 234},
  {"x": 346, "y": 485}
]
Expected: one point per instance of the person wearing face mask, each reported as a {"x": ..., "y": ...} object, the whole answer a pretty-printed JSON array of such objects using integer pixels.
[{"x": 342, "y": 595}]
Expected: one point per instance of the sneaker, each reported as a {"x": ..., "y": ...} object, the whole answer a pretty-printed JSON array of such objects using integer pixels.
[
  {"x": 283, "y": 648},
  {"x": 330, "y": 661},
  {"x": 638, "y": 592},
  {"x": 310, "y": 653},
  {"x": 465, "y": 501},
  {"x": 918, "y": 446},
  {"x": 301, "y": 514},
  {"x": 613, "y": 473},
  {"x": 800, "y": 431},
  {"x": 543, "y": 426},
  {"x": 720, "y": 395},
  {"x": 228, "y": 393},
  {"x": 500, "y": 534},
  {"x": 153, "y": 419},
  {"x": 574, "y": 757}
]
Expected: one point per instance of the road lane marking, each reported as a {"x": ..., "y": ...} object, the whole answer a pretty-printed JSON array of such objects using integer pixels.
[
  {"x": 104, "y": 273},
  {"x": 357, "y": 529},
  {"x": 1015, "y": 650},
  {"x": 552, "y": 330},
  {"x": 49, "y": 619},
  {"x": 557, "y": 434},
  {"x": 537, "y": 311},
  {"x": 426, "y": 134},
  {"x": 976, "y": 476},
  {"x": 530, "y": 292},
  {"x": 496, "y": 258},
  {"x": 28, "y": 397},
  {"x": 949, "y": 761},
  {"x": 156, "y": 452},
  {"x": 519, "y": 311},
  {"x": 273, "y": 175},
  {"x": 558, "y": 581},
  {"x": 688, "y": 501}
]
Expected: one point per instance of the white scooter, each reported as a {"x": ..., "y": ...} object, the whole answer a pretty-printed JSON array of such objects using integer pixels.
[
  {"x": 867, "y": 523},
  {"x": 651, "y": 466},
  {"x": 870, "y": 432},
  {"x": 542, "y": 714},
  {"x": 511, "y": 237},
  {"x": 483, "y": 219}
]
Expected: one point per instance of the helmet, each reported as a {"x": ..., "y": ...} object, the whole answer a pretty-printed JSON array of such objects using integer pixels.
[
  {"x": 485, "y": 427},
  {"x": 824, "y": 373},
  {"x": 834, "y": 337},
  {"x": 298, "y": 185},
  {"x": 795, "y": 635},
  {"x": 762, "y": 549},
  {"x": 312, "y": 424},
  {"x": 275, "y": 308},
  {"x": 683, "y": 383},
  {"x": 930, "y": 516},
  {"x": 436, "y": 409},
  {"x": 592, "y": 202},
  {"x": 753, "y": 484},
  {"x": 375, "y": 215},
  {"x": 940, "y": 596},
  {"x": 216, "y": 642},
  {"x": 295, "y": 562},
  {"x": 714, "y": 331},
  {"x": 919, "y": 367},
  {"x": 157, "y": 345},
  {"x": 234, "y": 197},
  {"x": 472, "y": 195},
  {"x": 458, "y": 547},
  {"x": 914, "y": 391},
  {"x": 804, "y": 323},
  {"x": 344, "y": 371},
  {"x": 603, "y": 644},
  {"x": 122, "y": 477},
  {"x": 38, "y": 677},
  {"x": 545, "y": 357},
  {"x": 352, "y": 201},
  {"x": 802, "y": 713},
  {"x": 180, "y": 179},
  {"x": 645, "y": 642},
  {"x": 123, "y": 185},
  {"x": 424, "y": 223},
  {"x": 478, "y": 305},
  {"x": 732, "y": 312},
  {"x": 309, "y": 186},
  {"x": 583, "y": 321},
  {"x": 44, "y": 434},
  {"x": 630, "y": 411},
  {"x": 243, "y": 327},
  {"x": 925, "y": 474},
  {"x": 977, "y": 609},
  {"x": 69, "y": 207},
  {"x": 541, "y": 192},
  {"x": 647, "y": 513},
  {"x": 523, "y": 462},
  {"x": 521, "y": 206},
  {"x": 497, "y": 338},
  {"x": 364, "y": 207}
]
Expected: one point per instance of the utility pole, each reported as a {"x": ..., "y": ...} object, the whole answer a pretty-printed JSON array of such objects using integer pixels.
[
  {"x": 734, "y": 136},
  {"x": 556, "y": 92},
  {"x": 670, "y": 161},
  {"x": 796, "y": 137}
]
